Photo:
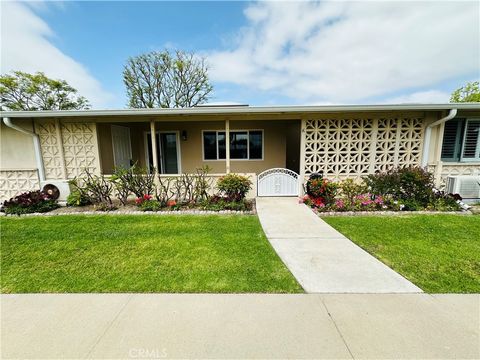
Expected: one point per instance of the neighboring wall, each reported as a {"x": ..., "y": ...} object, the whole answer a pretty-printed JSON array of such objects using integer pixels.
[
  {"x": 443, "y": 169},
  {"x": 68, "y": 148},
  {"x": 360, "y": 144},
  {"x": 18, "y": 169}
]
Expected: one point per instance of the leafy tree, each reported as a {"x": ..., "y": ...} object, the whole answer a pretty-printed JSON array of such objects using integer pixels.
[
  {"x": 468, "y": 93},
  {"x": 166, "y": 80},
  {"x": 24, "y": 91}
]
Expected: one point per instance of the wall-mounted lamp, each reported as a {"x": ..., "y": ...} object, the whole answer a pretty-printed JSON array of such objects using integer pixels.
[{"x": 184, "y": 135}]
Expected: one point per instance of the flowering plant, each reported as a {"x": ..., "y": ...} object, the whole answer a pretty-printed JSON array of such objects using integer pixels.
[
  {"x": 140, "y": 200},
  {"x": 321, "y": 191},
  {"x": 29, "y": 202}
]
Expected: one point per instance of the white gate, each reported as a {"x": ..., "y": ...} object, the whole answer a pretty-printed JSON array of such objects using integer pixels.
[{"x": 277, "y": 182}]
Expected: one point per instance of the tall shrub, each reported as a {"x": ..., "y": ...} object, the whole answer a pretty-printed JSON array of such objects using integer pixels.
[
  {"x": 235, "y": 187},
  {"x": 412, "y": 184}
]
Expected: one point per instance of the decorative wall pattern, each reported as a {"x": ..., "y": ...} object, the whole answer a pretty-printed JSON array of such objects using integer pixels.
[
  {"x": 355, "y": 147},
  {"x": 80, "y": 147},
  {"x": 14, "y": 182},
  {"x": 52, "y": 160}
]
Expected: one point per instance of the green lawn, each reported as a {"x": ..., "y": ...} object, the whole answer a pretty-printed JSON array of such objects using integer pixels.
[
  {"x": 439, "y": 253},
  {"x": 140, "y": 254}
]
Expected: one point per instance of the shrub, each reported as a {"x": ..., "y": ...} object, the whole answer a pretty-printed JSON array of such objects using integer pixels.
[
  {"x": 442, "y": 201},
  {"x": 321, "y": 190},
  {"x": 412, "y": 185},
  {"x": 30, "y": 202},
  {"x": 121, "y": 185},
  {"x": 77, "y": 198},
  {"x": 150, "y": 205},
  {"x": 235, "y": 187},
  {"x": 349, "y": 190},
  {"x": 136, "y": 180},
  {"x": 219, "y": 203},
  {"x": 97, "y": 189}
]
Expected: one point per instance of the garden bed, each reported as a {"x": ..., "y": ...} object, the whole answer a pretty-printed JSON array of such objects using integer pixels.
[
  {"x": 131, "y": 209},
  {"x": 397, "y": 190},
  {"x": 136, "y": 190},
  {"x": 391, "y": 213}
]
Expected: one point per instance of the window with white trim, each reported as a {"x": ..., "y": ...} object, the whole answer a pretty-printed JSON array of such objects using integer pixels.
[
  {"x": 461, "y": 140},
  {"x": 244, "y": 145}
]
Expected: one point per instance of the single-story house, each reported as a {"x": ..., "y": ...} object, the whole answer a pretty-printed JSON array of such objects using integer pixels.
[{"x": 278, "y": 146}]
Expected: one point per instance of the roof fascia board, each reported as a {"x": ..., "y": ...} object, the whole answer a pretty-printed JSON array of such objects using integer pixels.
[{"x": 239, "y": 110}]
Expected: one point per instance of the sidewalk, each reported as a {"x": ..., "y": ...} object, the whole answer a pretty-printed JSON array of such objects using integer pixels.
[
  {"x": 334, "y": 326},
  {"x": 320, "y": 258}
]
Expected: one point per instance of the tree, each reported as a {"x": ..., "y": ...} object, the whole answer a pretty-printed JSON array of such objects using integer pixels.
[
  {"x": 165, "y": 80},
  {"x": 24, "y": 91},
  {"x": 468, "y": 93}
]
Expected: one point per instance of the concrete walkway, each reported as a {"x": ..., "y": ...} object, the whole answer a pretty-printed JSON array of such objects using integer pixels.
[
  {"x": 322, "y": 259},
  {"x": 333, "y": 326}
]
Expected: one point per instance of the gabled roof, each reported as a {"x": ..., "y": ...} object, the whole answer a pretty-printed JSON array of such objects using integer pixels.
[{"x": 218, "y": 110}]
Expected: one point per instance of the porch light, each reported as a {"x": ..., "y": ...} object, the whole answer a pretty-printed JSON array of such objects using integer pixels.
[{"x": 184, "y": 135}]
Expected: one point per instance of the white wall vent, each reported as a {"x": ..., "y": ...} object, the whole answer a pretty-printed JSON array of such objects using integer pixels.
[{"x": 467, "y": 186}]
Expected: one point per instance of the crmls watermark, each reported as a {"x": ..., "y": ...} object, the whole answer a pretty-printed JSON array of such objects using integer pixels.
[{"x": 142, "y": 353}]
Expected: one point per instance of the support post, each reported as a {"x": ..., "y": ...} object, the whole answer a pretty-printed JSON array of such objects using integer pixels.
[
  {"x": 227, "y": 146},
  {"x": 154, "y": 145},
  {"x": 301, "y": 176}
]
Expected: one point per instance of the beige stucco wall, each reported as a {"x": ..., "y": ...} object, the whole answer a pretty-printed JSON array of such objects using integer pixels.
[
  {"x": 89, "y": 142},
  {"x": 191, "y": 149},
  {"x": 18, "y": 168},
  {"x": 16, "y": 148}
]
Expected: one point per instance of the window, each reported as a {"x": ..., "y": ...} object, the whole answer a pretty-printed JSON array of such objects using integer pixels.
[
  {"x": 244, "y": 145},
  {"x": 461, "y": 140},
  {"x": 471, "y": 141}
]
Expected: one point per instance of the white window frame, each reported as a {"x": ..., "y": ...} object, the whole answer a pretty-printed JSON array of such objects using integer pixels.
[
  {"x": 234, "y": 131},
  {"x": 477, "y": 151},
  {"x": 146, "y": 134}
]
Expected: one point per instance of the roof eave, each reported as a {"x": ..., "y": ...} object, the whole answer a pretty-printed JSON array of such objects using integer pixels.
[{"x": 239, "y": 110}]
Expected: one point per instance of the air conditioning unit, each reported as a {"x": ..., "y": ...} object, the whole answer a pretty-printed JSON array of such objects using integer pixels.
[
  {"x": 467, "y": 186},
  {"x": 62, "y": 185}
]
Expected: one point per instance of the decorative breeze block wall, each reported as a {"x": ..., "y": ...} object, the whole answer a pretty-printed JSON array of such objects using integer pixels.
[
  {"x": 14, "y": 182},
  {"x": 356, "y": 147},
  {"x": 76, "y": 141}
]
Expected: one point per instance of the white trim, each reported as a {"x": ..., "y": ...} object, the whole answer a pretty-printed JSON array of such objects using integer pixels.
[
  {"x": 158, "y": 132},
  {"x": 238, "y": 110},
  {"x": 248, "y": 144}
]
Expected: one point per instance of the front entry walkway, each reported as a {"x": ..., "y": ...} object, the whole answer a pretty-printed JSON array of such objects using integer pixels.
[{"x": 322, "y": 259}]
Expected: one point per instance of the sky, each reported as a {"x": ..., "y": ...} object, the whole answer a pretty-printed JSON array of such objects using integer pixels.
[{"x": 259, "y": 53}]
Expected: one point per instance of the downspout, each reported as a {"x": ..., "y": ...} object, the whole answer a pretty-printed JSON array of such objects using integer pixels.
[
  {"x": 36, "y": 146},
  {"x": 428, "y": 134}
]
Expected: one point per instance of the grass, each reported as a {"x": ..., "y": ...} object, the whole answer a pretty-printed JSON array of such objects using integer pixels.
[
  {"x": 438, "y": 253},
  {"x": 105, "y": 253}
]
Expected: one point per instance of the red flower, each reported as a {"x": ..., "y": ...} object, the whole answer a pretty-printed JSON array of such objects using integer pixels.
[
  {"x": 171, "y": 203},
  {"x": 147, "y": 197}
]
